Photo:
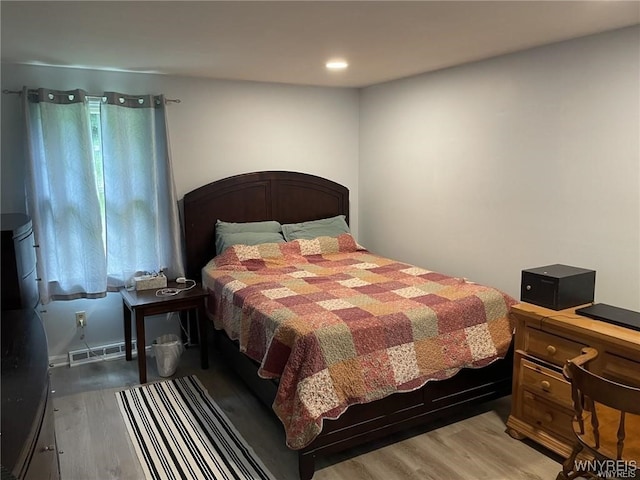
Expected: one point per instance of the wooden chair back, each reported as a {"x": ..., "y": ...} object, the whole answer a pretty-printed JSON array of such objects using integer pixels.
[{"x": 607, "y": 413}]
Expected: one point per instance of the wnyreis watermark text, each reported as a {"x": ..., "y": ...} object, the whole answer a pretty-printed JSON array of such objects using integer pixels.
[{"x": 609, "y": 468}]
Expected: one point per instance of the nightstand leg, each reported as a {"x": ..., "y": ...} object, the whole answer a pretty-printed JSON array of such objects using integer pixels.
[
  {"x": 142, "y": 354},
  {"x": 202, "y": 336},
  {"x": 126, "y": 313}
]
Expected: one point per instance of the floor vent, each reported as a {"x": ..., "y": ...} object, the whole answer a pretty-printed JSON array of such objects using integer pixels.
[{"x": 99, "y": 353}]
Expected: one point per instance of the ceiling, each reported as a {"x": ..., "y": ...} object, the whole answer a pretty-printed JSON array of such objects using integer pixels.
[{"x": 289, "y": 42}]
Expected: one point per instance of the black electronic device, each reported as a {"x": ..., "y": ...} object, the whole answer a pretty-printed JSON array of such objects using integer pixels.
[
  {"x": 610, "y": 314},
  {"x": 558, "y": 286}
]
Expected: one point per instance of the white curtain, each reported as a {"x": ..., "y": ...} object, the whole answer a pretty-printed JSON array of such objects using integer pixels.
[
  {"x": 141, "y": 203},
  {"x": 62, "y": 195},
  {"x": 81, "y": 253}
]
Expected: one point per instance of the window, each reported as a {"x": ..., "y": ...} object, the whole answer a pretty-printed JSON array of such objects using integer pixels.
[
  {"x": 100, "y": 190},
  {"x": 98, "y": 167}
]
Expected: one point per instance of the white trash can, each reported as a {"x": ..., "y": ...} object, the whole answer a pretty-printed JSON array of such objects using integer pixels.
[{"x": 167, "y": 349}]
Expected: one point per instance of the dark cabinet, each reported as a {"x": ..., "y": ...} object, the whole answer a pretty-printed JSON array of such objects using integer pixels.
[
  {"x": 28, "y": 438},
  {"x": 18, "y": 288}
]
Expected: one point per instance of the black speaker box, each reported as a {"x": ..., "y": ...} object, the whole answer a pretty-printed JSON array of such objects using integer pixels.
[{"x": 558, "y": 286}]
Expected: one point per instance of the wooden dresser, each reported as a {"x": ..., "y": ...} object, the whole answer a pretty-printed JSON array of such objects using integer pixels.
[{"x": 541, "y": 403}]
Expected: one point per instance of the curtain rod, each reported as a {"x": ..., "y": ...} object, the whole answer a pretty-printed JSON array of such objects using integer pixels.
[{"x": 19, "y": 92}]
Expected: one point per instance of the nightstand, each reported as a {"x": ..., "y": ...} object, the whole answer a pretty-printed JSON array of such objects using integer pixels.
[
  {"x": 145, "y": 302},
  {"x": 542, "y": 409}
]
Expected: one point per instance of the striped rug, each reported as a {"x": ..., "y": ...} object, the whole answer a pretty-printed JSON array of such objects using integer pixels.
[{"x": 179, "y": 432}]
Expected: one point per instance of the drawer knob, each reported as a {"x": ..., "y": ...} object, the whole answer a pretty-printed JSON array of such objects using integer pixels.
[
  {"x": 551, "y": 350},
  {"x": 545, "y": 384},
  {"x": 548, "y": 417},
  {"x": 49, "y": 448}
]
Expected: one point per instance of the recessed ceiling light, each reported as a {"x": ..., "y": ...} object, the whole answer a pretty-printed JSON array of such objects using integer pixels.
[{"x": 336, "y": 65}]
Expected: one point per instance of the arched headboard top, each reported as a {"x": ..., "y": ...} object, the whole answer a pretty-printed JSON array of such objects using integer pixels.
[{"x": 288, "y": 197}]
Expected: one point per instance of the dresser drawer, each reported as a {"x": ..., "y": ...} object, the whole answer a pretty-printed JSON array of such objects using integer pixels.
[
  {"x": 547, "y": 415},
  {"x": 25, "y": 255},
  {"x": 620, "y": 369},
  {"x": 546, "y": 383},
  {"x": 551, "y": 348},
  {"x": 44, "y": 460}
]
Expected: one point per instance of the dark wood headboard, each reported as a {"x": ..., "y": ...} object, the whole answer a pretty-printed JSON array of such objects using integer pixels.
[{"x": 288, "y": 197}]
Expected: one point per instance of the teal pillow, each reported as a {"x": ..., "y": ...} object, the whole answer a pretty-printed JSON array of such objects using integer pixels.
[
  {"x": 326, "y": 227},
  {"x": 230, "y": 233},
  {"x": 230, "y": 227},
  {"x": 226, "y": 240}
]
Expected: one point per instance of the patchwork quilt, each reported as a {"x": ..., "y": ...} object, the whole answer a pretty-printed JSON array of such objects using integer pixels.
[{"x": 338, "y": 325}]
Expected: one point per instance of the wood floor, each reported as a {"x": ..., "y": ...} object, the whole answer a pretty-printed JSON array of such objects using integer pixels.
[{"x": 92, "y": 436}]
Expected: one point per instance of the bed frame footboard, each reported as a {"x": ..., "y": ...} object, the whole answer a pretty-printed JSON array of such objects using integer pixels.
[{"x": 433, "y": 404}]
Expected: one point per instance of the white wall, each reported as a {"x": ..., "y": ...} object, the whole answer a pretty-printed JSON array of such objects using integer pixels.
[
  {"x": 519, "y": 161},
  {"x": 220, "y": 128}
]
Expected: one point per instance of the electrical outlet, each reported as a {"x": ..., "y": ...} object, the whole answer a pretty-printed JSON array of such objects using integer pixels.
[{"x": 81, "y": 319}]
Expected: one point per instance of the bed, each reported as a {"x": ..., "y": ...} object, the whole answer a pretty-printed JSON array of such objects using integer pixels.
[{"x": 387, "y": 406}]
